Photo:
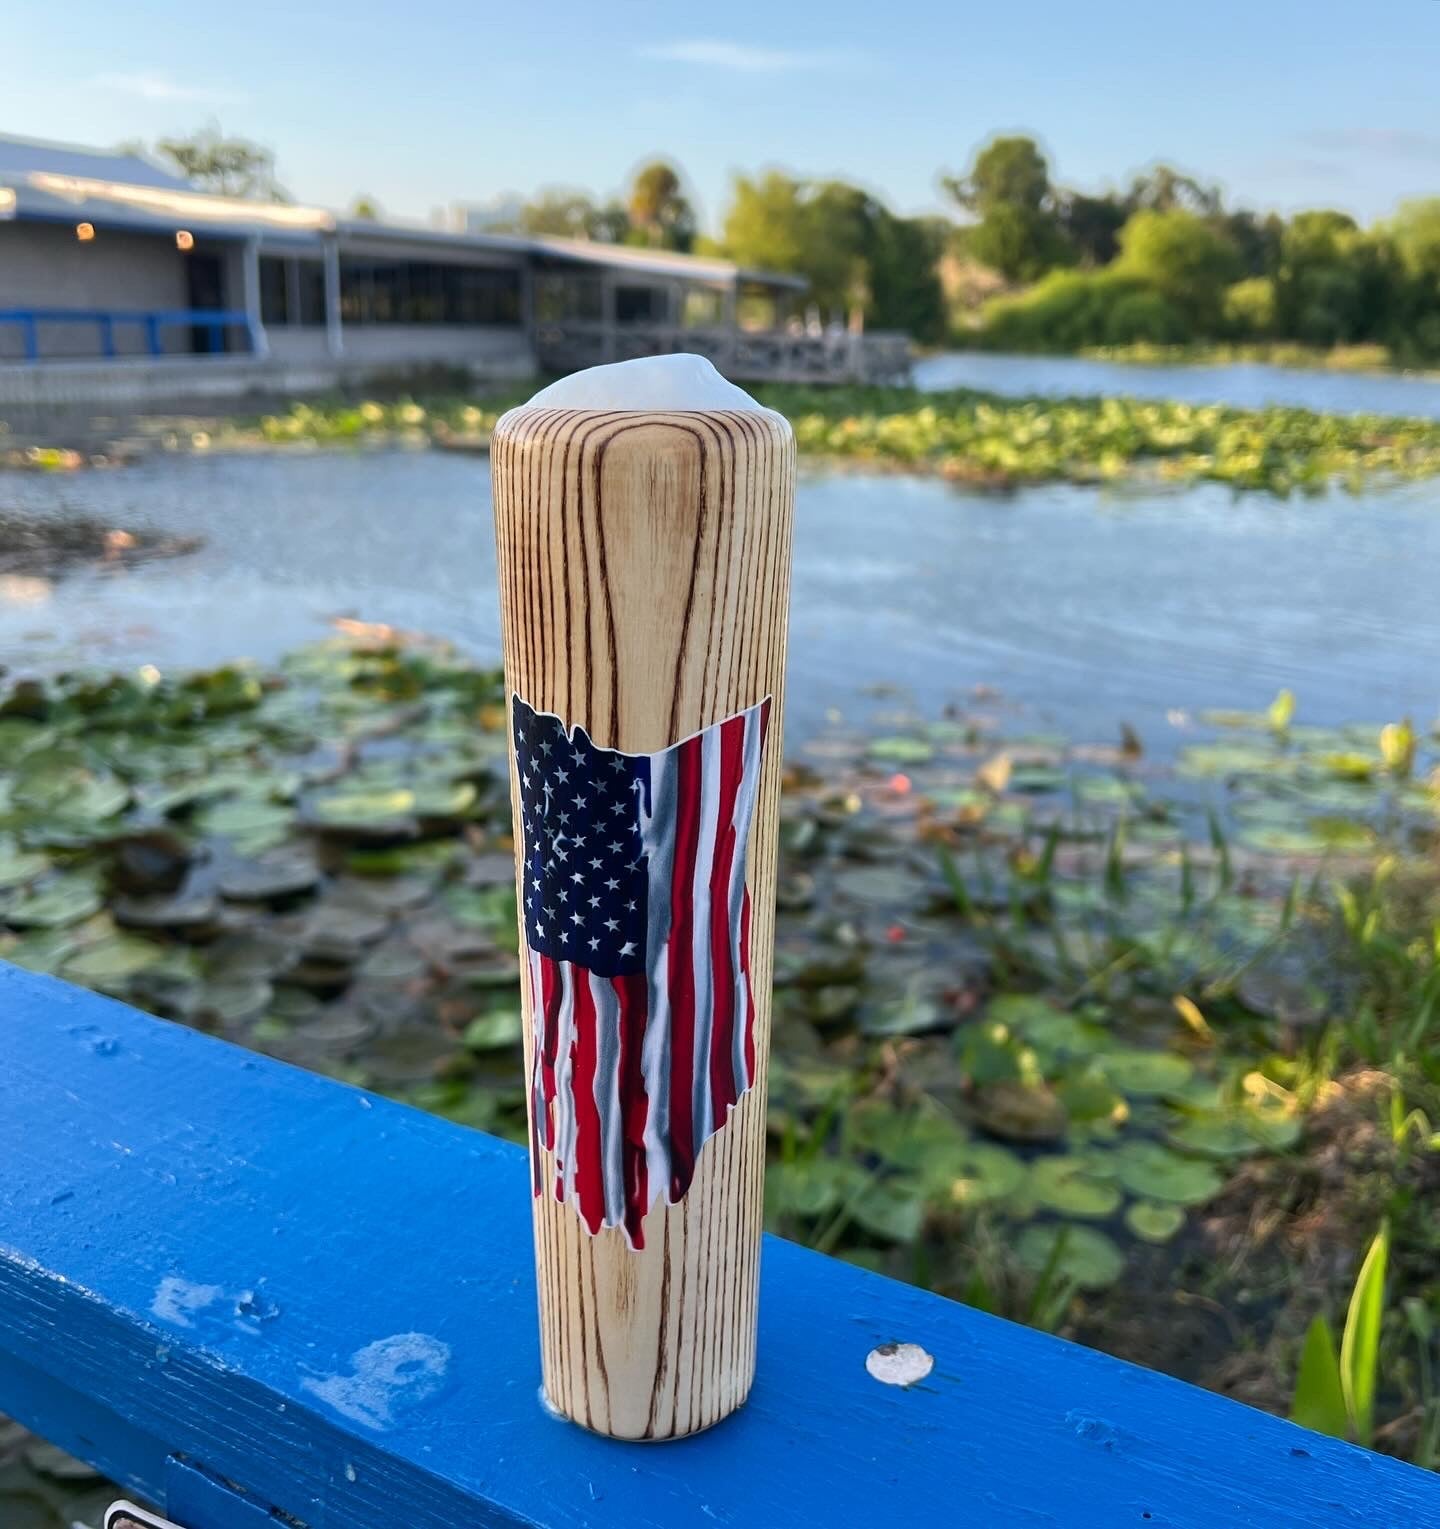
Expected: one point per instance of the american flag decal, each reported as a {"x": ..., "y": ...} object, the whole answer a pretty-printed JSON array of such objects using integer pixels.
[{"x": 637, "y": 928}]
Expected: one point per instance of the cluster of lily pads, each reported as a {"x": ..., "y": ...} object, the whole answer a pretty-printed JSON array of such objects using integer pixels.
[
  {"x": 989, "y": 440},
  {"x": 973, "y": 437},
  {"x": 1038, "y": 982},
  {"x": 1016, "y": 979},
  {"x": 406, "y": 420},
  {"x": 297, "y": 859}
]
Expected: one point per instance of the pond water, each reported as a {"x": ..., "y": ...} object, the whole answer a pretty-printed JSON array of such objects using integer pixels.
[
  {"x": 1246, "y": 386},
  {"x": 1091, "y": 607}
]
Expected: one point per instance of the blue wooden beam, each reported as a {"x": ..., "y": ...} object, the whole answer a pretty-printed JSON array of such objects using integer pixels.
[{"x": 234, "y": 1286}]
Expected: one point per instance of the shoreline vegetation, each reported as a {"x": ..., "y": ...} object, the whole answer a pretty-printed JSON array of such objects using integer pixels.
[
  {"x": 1137, "y": 1054},
  {"x": 974, "y": 438},
  {"x": 1370, "y": 359}
]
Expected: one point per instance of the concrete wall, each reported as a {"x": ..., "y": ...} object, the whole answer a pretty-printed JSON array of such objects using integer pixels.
[
  {"x": 375, "y": 348},
  {"x": 43, "y": 265},
  {"x": 292, "y": 342},
  {"x": 181, "y": 383},
  {"x": 504, "y": 352}
]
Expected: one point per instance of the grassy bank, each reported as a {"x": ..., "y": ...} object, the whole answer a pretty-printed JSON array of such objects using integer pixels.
[
  {"x": 969, "y": 437},
  {"x": 1364, "y": 359},
  {"x": 1137, "y": 1055}
]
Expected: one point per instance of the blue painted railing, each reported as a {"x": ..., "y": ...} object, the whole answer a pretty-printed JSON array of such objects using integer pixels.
[
  {"x": 250, "y": 1295},
  {"x": 152, "y": 322}
]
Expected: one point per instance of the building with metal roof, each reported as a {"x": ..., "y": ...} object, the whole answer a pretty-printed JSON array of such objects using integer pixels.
[{"x": 109, "y": 258}]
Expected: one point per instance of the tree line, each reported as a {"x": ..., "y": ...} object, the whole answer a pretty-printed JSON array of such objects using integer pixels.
[
  {"x": 1167, "y": 262},
  {"x": 1164, "y": 261}
]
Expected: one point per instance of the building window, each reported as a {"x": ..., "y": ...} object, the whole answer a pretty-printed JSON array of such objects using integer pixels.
[
  {"x": 309, "y": 287},
  {"x": 427, "y": 292},
  {"x": 641, "y": 305},
  {"x": 292, "y": 291},
  {"x": 274, "y": 291},
  {"x": 704, "y": 308},
  {"x": 568, "y": 298}
]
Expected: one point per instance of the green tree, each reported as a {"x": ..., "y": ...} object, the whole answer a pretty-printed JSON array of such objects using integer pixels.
[
  {"x": 1018, "y": 231},
  {"x": 660, "y": 213},
  {"x": 1415, "y": 234},
  {"x": 838, "y": 224},
  {"x": 1412, "y": 320},
  {"x": 609, "y": 224},
  {"x": 852, "y": 250},
  {"x": 905, "y": 290},
  {"x": 1183, "y": 258},
  {"x": 1092, "y": 225},
  {"x": 1166, "y": 189},
  {"x": 1249, "y": 308},
  {"x": 366, "y": 207},
  {"x": 764, "y": 224},
  {"x": 1008, "y": 172},
  {"x": 1256, "y": 239},
  {"x": 1329, "y": 285},
  {"x": 562, "y": 214},
  {"x": 229, "y": 166}
]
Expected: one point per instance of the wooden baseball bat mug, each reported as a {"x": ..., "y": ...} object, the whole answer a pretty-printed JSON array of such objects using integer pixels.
[{"x": 643, "y": 516}]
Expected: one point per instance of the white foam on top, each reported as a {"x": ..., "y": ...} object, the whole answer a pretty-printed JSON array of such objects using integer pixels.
[{"x": 660, "y": 384}]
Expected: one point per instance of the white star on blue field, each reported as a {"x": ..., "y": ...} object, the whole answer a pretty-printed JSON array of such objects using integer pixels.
[{"x": 586, "y": 875}]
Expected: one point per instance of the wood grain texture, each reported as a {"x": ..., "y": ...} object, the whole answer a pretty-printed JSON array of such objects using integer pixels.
[
  {"x": 644, "y": 565},
  {"x": 316, "y": 1226}
]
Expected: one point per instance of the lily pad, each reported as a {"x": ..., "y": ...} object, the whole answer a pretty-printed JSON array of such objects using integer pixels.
[
  {"x": 1228, "y": 759},
  {"x": 910, "y": 1013},
  {"x": 1137, "y": 1072},
  {"x": 252, "y": 826},
  {"x": 1067, "y": 1185},
  {"x": 810, "y": 1190},
  {"x": 42, "y": 950},
  {"x": 19, "y": 867},
  {"x": 1089, "y": 1096},
  {"x": 1218, "y": 1135},
  {"x": 1153, "y": 1172},
  {"x": 109, "y": 964},
  {"x": 490, "y": 1032},
  {"x": 1033, "y": 779},
  {"x": 1154, "y": 1223},
  {"x": 885, "y": 885},
  {"x": 63, "y": 901},
  {"x": 269, "y": 879},
  {"x": 69, "y": 791},
  {"x": 979, "y": 1173},
  {"x": 186, "y": 910},
  {"x": 1048, "y": 1028},
  {"x": 1087, "y": 1256},
  {"x": 337, "y": 933},
  {"x": 377, "y": 814},
  {"x": 443, "y": 800},
  {"x": 901, "y": 750},
  {"x": 234, "y": 1002},
  {"x": 891, "y": 1210}
]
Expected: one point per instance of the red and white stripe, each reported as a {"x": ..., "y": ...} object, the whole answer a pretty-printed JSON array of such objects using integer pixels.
[{"x": 633, "y": 1074}]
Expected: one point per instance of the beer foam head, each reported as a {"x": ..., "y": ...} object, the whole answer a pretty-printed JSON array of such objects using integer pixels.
[{"x": 680, "y": 383}]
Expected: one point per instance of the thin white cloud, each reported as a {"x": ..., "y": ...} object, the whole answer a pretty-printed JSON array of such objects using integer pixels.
[
  {"x": 158, "y": 87},
  {"x": 1389, "y": 142},
  {"x": 744, "y": 58}
]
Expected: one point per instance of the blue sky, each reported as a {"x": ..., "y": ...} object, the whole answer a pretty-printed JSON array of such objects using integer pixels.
[{"x": 1287, "y": 104}]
